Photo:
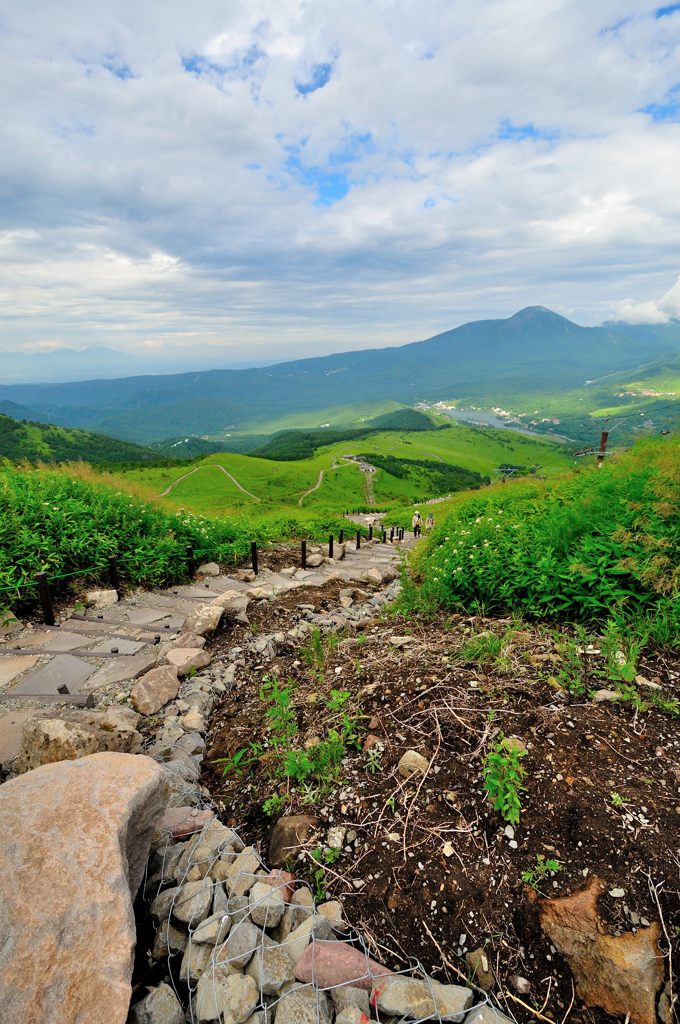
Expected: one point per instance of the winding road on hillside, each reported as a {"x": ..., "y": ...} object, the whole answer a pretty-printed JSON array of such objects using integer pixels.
[
  {"x": 213, "y": 465},
  {"x": 316, "y": 487}
]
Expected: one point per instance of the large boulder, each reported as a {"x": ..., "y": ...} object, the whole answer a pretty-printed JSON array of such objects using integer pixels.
[
  {"x": 66, "y": 735},
  {"x": 75, "y": 843},
  {"x": 621, "y": 974}
]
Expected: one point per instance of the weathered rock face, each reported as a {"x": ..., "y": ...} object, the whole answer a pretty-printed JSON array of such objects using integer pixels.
[
  {"x": 187, "y": 658},
  {"x": 622, "y": 974},
  {"x": 75, "y": 841},
  {"x": 416, "y": 998},
  {"x": 63, "y": 736},
  {"x": 155, "y": 689},
  {"x": 289, "y": 836},
  {"x": 204, "y": 620},
  {"x": 100, "y": 598},
  {"x": 331, "y": 964}
]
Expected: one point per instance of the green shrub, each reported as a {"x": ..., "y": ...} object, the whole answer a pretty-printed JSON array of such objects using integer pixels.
[
  {"x": 596, "y": 544},
  {"x": 62, "y": 524}
]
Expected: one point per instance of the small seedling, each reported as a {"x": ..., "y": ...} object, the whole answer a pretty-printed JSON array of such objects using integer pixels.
[
  {"x": 617, "y": 800},
  {"x": 542, "y": 869},
  {"x": 503, "y": 778},
  {"x": 373, "y": 760},
  {"x": 274, "y": 805}
]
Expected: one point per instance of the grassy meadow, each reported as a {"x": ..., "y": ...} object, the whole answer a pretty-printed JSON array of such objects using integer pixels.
[
  {"x": 204, "y": 488},
  {"x": 593, "y": 546}
]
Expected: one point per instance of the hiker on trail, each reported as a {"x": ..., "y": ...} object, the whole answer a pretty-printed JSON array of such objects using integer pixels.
[
  {"x": 429, "y": 522},
  {"x": 417, "y": 523}
]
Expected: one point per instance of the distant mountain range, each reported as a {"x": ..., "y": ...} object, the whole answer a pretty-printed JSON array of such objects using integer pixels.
[
  {"x": 535, "y": 351},
  {"x": 60, "y": 365}
]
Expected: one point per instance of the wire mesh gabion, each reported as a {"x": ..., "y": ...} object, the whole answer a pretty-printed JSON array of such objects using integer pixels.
[{"x": 237, "y": 927}]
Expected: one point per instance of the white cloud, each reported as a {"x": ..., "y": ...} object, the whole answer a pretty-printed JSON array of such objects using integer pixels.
[
  {"x": 654, "y": 311},
  {"x": 164, "y": 178}
]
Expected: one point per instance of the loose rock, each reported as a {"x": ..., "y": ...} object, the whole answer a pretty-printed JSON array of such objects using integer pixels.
[
  {"x": 160, "y": 1006},
  {"x": 155, "y": 689},
  {"x": 289, "y": 836},
  {"x": 412, "y": 763},
  {"x": 60, "y": 736}
]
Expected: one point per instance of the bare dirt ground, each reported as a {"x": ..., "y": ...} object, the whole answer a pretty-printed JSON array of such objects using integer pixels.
[{"x": 428, "y": 868}]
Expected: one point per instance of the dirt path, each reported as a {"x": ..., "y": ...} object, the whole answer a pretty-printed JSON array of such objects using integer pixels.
[
  {"x": 216, "y": 465},
  {"x": 316, "y": 487},
  {"x": 172, "y": 486},
  {"x": 368, "y": 488}
]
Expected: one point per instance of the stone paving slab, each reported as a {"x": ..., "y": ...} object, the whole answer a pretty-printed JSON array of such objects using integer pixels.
[
  {"x": 63, "y": 669},
  {"x": 13, "y": 665},
  {"x": 121, "y": 670},
  {"x": 113, "y": 645},
  {"x": 11, "y": 726},
  {"x": 99, "y": 628},
  {"x": 64, "y": 642},
  {"x": 139, "y": 616}
]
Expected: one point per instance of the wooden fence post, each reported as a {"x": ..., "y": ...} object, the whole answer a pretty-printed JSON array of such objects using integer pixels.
[
  {"x": 45, "y": 598},
  {"x": 253, "y": 556},
  {"x": 114, "y": 577},
  {"x": 303, "y": 553},
  {"x": 330, "y": 546}
]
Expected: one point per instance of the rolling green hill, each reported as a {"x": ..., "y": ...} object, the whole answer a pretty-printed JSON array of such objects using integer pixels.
[
  {"x": 42, "y": 442},
  {"x": 535, "y": 354},
  {"x": 409, "y": 466}
]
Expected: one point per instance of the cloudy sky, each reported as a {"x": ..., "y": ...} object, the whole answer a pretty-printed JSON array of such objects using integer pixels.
[{"x": 254, "y": 179}]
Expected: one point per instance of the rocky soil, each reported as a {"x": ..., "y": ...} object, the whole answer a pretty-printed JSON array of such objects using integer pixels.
[{"x": 384, "y": 885}]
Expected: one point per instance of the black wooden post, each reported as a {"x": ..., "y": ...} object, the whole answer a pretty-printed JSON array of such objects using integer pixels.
[
  {"x": 253, "y": 556},
  {"x": 303, "y": 553},
  {"x": 330, "y": 546},
  {"x": 391, "y": 535},
  {"x": 341, "y": 538},
  {"x": 191, "y": 562},
  {"x": 370, "y": 532},
  {"x": 358, "y": 539},
  {"x": 384, "y": 536},
  {"x": 45, "y": 598},
  {"x": 114, "y": 578}
]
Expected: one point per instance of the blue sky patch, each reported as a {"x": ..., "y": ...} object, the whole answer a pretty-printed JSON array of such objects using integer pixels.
[
  {"x": 320, "y": 76},
  {"x": 663, "y": 12},
  {"x": 118, "y": 68},
  {"x": 668, "y": 109},
  {"x": 517, "y": 132},
  {"x": 331, "y": 186},
  {"x": 197, "y": 64}
]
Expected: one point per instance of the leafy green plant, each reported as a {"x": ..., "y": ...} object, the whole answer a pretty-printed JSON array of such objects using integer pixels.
[
  {"x": 237, "y": 763},
  {"x": 621, "y": 653},
  {"x": 583, "y": 548},
  {"x": 503, "y": 778},
  {"x": 617, "y": 800},
  {"x": 488, "y": 649},
  {"x": 542, "y": 869},
  {"x": 323, "y": 856},
  {"x": 373, "y": 758},
  {"x": 572, "y": 674},
  {"x": 280, "y": 711},
  {"x": 273, "y": 806},
  {"x": 338, "y": 700}
]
